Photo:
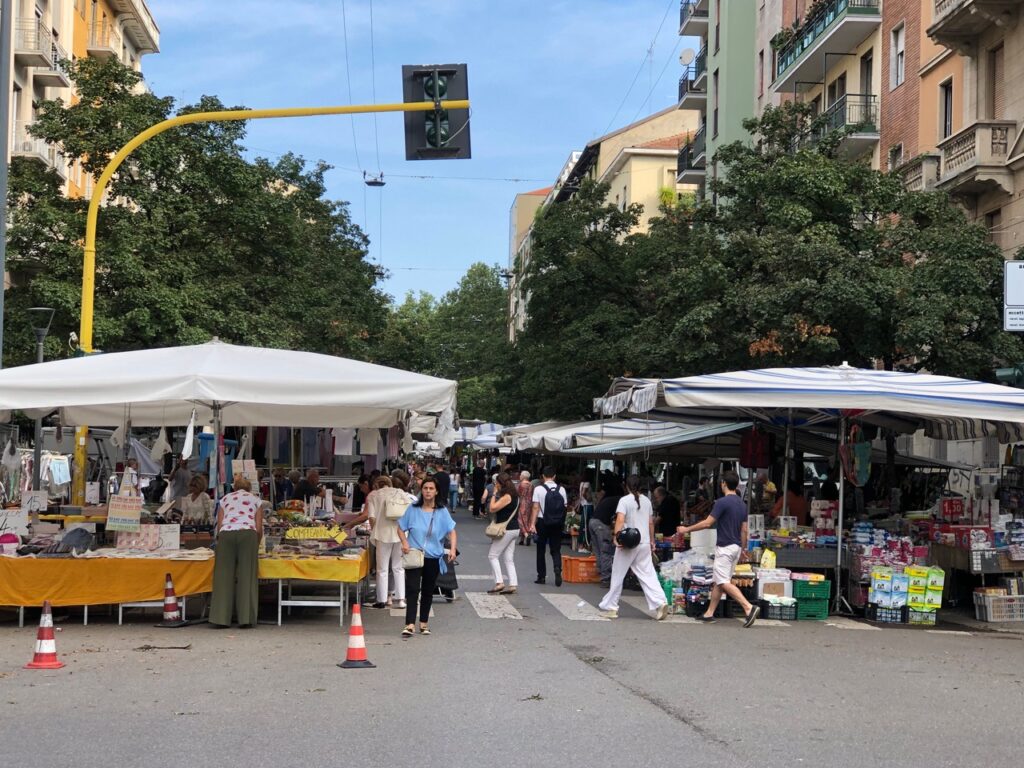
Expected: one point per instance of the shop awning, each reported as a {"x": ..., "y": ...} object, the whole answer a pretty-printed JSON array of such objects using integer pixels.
[
  {"x": 943, "y": 406},
  {"x": 555, "y": 437},
  {"x": 248, "y": 386},
  {"x": 694, "y": 441}
]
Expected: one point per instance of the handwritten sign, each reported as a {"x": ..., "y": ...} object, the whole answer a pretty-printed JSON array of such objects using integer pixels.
[
  {"x": 92, "y": 493},
  {"x": 124, "y": 513},
  {"x": 151, "y": 537},
  {"x": 14, "y": 521},
  {"x": 33, "y": 504}
]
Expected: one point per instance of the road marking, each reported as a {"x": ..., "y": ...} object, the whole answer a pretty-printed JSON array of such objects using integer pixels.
[
  {"x": 949, "y": 632},
  {"x": 766, "y": 622},
  {"x": 400, "y": 612},
  {"x": 573, "y": 607},
  {"x": 841, "y": 623},
  {"x": 640, "y": 603},
  {"x": 492, "y": 606},
  {"x": 475, "y": 577}
]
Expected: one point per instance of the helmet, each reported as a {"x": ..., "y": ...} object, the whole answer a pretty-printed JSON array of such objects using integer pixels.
[{"x": 628, "y": 537}]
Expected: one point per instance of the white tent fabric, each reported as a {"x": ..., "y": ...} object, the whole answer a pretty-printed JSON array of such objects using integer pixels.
[
  {"x": 249, "y": 386},
  {"x": 945, "y": 407},
  {"x": 553, "y": 437}
]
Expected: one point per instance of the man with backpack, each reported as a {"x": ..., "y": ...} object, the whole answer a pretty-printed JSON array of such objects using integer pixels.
[{"x": 547, "y": 519}]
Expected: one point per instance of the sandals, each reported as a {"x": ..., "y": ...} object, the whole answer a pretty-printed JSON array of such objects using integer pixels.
[
  {"x": 424, "y": 629},
  {"x": 498, "y": 589},
  {"x": 408, "y": 631}
]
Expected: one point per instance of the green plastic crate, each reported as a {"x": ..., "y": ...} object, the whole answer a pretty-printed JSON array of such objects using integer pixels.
[
  {"x": 810, "y": 609},
  {"x": 813, "y": 590}
]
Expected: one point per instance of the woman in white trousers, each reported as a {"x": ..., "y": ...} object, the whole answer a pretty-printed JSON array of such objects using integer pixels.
[
  {"x": 505, "y": 509},
  {"x": 634, "y": 511},
  {"x": 385, "y": 538}
]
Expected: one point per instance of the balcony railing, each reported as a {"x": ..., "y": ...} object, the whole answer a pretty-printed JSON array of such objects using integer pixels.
[
  {"x": 984, "y": 143},
  {"x": 691, "y": 156},
  {"x": 27, "y": 145},
  {"x": 105, "y": 40},
  {"x": 688, "y": 85},
  {"x": 816, "y": 26},
  {"x": 854, "y": 110},
  {"x": 32, "y": 43},
  {"x": 922, "y": 173},
  {"x": 56, "y": 72},
  {"x": 700, "y": 64},
  {"x": 690, "y": 11}
]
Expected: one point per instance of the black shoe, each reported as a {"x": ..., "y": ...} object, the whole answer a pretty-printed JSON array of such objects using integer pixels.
[
  {"x": 540, "y": 580},
  {"x": 375, "y": 605},
  {"x": 755, "y": 611},
  {"x": 558, "y": 579},
  {"x": 706, "y": 619}
]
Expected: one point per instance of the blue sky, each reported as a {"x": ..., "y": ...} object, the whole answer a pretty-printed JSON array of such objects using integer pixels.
[{"x": 545, "y": 78}]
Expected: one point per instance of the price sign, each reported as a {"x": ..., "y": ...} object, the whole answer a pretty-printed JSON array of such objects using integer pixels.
[{"x": 124, "y": 513}]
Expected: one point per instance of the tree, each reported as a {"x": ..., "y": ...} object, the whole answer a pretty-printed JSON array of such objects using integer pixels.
[
  {"x": 195, "y": 241},
  {"x": 407, "y": 341}
]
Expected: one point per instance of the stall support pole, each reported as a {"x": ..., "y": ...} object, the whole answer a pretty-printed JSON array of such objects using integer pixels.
[
  {"x": 842, "y": 605},
  {"x": 786, "y": 469}
]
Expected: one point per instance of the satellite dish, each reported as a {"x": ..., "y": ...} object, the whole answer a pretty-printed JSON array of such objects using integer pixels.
[{"x": 687, "y": 56}]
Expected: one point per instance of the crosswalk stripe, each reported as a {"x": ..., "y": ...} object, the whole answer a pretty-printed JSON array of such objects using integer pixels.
[
  {"x": 766, "y": 622},
  {"x": 640, "y": 604},
  {"x": 492, "y": 606},
  {"x": 840, "y": 622},
  {"x": 573, "y": 607},
  {"x": 474, "y": 577},
  {"x": 400, "y": 612}
]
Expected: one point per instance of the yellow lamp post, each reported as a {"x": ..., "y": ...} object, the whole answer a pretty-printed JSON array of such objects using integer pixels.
[{"x": 89, "y": 262}]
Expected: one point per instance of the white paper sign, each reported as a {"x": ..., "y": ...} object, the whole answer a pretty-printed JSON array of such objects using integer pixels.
[
  {"x": 92, "y": 493},
  {"x": 33, "y": 504},
  {"x": 124, "y": 513},
  {"x": 14, "y": 521},
  {"x": 1013, "y": 296}
]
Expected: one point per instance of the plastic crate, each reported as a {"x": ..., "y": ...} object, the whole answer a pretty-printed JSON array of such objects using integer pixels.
[
  {"x": 778, "y": 612},
  {"x": 886, "y": 615},
  {"x": 812, "y": 610},
  {"x": 998, "y": 607},
  {"x": 922, "y": 618},
  {"x": 812, "y": 590},
  {"x": 580, "y": 570}
]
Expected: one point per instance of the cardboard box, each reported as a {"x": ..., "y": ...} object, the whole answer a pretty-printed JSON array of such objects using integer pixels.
[
  {"x": 900, "y": 583},
  {"x": 936, "y": 578},
  {"x": 881, "y": 586},
  {"x": 899, "y": 600},
  {"x": 776, "y": 588},
  {"x": 973, "y": 536},
  {"x": 933, "y": 598}
]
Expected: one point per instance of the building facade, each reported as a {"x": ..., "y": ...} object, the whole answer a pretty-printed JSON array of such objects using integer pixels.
[
  {"x": 49, "y": 33},
  {"x": 719, "y": 83}
]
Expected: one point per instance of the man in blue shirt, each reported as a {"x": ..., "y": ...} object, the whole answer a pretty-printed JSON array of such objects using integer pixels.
[{"x": 730, "y": 514}]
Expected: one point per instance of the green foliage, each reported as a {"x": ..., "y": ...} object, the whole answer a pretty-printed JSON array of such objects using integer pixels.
[{"x": 195, "y": 240}]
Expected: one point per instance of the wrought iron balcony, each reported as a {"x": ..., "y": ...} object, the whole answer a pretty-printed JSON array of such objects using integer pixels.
[
  {"x": 857, "y": 113},
  {"x": 690, "y": 165},
  {"x": 693, "y": 17},
  {"x": 692, "y": 96},
  {"x": 32, "y": 43},
  {"x": 55, "y": 73}
]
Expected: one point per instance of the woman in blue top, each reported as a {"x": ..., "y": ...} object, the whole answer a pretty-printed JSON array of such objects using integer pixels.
[{"x": 424, "y": 526}]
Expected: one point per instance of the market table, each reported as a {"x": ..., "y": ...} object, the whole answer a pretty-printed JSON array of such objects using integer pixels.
[
  {"x": 28, "y": 581},
  {"x": 342, "y": 571}
]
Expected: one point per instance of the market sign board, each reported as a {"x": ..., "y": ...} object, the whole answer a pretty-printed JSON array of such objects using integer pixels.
[
  {"x": 14, "y": 520},
  {"x": 124, "y": 513},
  {"x": 1013, "y": 296}
]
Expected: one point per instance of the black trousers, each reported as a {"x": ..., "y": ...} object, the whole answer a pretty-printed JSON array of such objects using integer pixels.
[
  {"x": 478, "y": 495},
  {"x": 419, "y": 588},
  {"x": 548, "y": 536}
]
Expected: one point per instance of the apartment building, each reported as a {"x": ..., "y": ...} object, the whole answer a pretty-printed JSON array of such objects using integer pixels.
[
  {"x": 719, "y": 82},
  {"x": 47, "y": 34},
  {"x": 638, "y": 162},
  {"x": 828, "y": 54},
  {"x": 981, "y": 158}
]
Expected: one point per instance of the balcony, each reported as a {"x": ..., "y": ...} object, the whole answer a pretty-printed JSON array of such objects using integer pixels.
[
  {"x": 27, "y": 145},
  {"x": 690, "y": 96},
  {"x": 700, "y": 70},
  {"x": 974, "y": 160},
  {"x": 138, "y": 24},
  {"x": 104, "y": 41},
  {"x": 693, "y": 17},
  {"x": 839, "y": 26},
  {"x": 690, "y": 167},
  {"x": 922, "y": 173},
  {"x": 957, "y": 23},
  {"x": 856, "y": 113},
  {"x": 55, "y": 73},
  {"x": 32, "y": 44}
]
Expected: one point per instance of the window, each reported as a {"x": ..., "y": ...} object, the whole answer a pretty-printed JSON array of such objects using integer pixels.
[
  {"x": 760, "y": 72},
  {"x": 946, "y": 109},
  {"x": 718, "y": 23},
  {"x": 993, "y": 220},
  {"x": 816, "y": 106},
  {"x": 995, "y": 82},
  {"x": 898, "y": 56},
  {"x": 895, "y": 156},
  {"x": 867, "y": 73},
  {"x": 714, "y": 114},
  {"x": 836, "y": 89}
]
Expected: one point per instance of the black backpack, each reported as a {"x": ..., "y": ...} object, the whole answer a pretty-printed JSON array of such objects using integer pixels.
[{"x": 554, "y": 506}]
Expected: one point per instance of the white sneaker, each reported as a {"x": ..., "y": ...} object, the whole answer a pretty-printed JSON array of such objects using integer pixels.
[
  {"x": 400, "y": 604},
  {"x": 610, "y": 614},
  {"x": 661, "y": 613}
]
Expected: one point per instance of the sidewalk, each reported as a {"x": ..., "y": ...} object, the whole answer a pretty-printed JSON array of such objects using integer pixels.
[{"x": 962, "y": 618}]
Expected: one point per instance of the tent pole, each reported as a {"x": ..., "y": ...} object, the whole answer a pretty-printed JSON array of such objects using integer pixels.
[
  {"x": 786, "y": 469},
  {"x": 841, "y": 601}
]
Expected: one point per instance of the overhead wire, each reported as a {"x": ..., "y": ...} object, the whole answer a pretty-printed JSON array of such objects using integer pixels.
[
  {"x": 348, "y": 80},
  {"x": 373, "y": 86},
  {"x": 640, "y": 69},
  {"x": 661, "y": 74}
]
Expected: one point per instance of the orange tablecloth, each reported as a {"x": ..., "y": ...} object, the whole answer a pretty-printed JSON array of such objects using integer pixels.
[{"x": 26, "y": 581}]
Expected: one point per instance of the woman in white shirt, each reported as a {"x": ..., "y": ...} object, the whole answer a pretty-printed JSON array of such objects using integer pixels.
[
  {"x": 385, "y": 535},
  {"x": 196, "y": 506},
  {"x": 236, "y": 565},
  {"x": 634, "y": 511}
]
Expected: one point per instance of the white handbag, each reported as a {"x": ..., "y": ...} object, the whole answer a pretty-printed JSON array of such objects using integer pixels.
[{"x": 414, "y": 557}]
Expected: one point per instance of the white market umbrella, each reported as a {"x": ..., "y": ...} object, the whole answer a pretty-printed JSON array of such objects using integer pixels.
[{"x": 243, "y": 386}]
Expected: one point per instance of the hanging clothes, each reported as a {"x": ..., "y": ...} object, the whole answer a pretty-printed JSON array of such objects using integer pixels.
[
  {"x": 343, "y": 442},
  {"x": 136, "y": 450},
  {"x": 310, "y": 447},
  {"x": 368, "y": 439},
  {"x": 394, "y": 438},
  {"x": 326, "y": 448},
  {"x": 160, "y": 446}
]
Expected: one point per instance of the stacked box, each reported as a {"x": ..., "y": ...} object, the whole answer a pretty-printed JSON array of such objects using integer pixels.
[
  {"x": 812, "y": 590},
  {"x": 814, "y": 610}
]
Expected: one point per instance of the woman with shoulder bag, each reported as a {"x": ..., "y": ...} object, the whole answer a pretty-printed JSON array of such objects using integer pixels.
[
  {"x": 504, "y": 531},
  {"x": 386, "y": 507},
  {"x": 422, "y": 531},
  {"x": 634, "y": 550}
]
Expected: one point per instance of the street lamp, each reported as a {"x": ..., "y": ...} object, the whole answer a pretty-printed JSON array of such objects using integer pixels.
[{"x": 41, "y": 318}]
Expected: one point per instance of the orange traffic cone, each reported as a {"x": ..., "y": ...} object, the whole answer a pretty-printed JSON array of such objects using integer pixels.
[
  {"x": 46, "y": 647},
  {"x": 356, "y": 657},
  {"x": 172, "y": 613}
]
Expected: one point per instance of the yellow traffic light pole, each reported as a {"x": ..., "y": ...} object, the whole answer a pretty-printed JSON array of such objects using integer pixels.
[{"x": 89, "y": 262}]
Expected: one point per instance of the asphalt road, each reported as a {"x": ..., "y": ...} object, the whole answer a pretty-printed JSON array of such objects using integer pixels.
[{"x": 542, "y": 690}]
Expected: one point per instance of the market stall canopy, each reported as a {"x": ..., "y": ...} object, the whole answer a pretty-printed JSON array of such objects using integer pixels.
[
  {"x": 554, "y": 437},
  {"x": 250, "y": 386},
  {"x": 945, "y": 408},
  {"x": 682, "y": 441}
]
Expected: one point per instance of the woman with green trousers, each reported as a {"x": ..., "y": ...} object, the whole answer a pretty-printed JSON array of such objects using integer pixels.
[{"x": 235, "y": 567}]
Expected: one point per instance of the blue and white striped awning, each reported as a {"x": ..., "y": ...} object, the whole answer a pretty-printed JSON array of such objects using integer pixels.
[
  {"x": 554, "y": 437},
  {"x": 945, "y": 407},
  {"x": 682, "y": 439}
]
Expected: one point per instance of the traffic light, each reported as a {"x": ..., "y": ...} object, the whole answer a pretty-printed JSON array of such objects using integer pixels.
[
  {"x": 1012, "y": 377},
  {"x": 438, "y": 134}
]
